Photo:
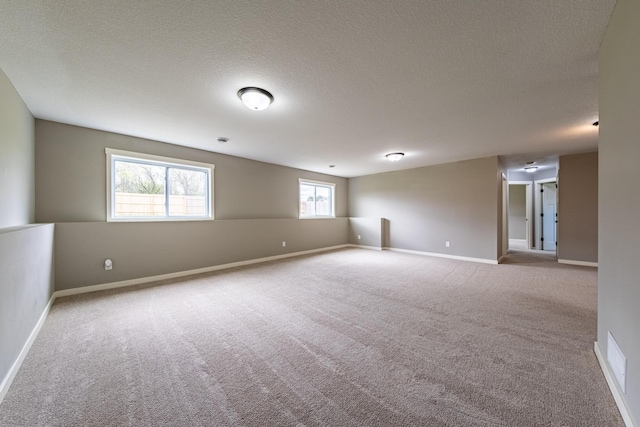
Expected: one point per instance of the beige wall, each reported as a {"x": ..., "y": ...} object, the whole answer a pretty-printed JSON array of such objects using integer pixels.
[
  {"x": 619, "y": 194},
  {"x": 367, "y": 232},
  {"x": 141, "y": 250},
  {"x": 577, "y": 230},
  {"x": 16, "y": 158},
  {"x": 456, "y": 202},
  {"x": 256, "y": 209},
  {"x": 71, "y": 177},
  {"x": 26, "y": 251}
]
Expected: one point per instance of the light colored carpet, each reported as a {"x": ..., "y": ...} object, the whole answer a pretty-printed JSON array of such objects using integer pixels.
[
  {"x": 545, "y": 259},
  {"x": 345, "y": 338},
  {"x": 518, "y": 244}
]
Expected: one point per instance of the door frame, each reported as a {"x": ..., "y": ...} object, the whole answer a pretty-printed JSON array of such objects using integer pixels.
[
  {"x": 538, "y": 210},
  {"x": 528, "y": 210},
  {"x": 505, "y": 215}
]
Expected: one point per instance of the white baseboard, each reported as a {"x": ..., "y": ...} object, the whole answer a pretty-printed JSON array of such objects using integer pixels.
[
  {"x": 131, "y": 282},
  {"x": 461, "y": 258},
  {"x": 582, "y": 263},
  {"x": 615, "y": 391},
  {"x": 8, "y": 379}
]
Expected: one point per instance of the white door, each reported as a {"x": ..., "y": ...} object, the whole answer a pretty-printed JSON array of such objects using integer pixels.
[
  {"x": 549, "y": 216},
  {"x": 505, "y": 215}
]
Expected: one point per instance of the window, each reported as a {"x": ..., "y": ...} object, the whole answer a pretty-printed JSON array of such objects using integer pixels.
[
  {"x": 316, "y": 199},
  {"x": 142, "y": 187}
]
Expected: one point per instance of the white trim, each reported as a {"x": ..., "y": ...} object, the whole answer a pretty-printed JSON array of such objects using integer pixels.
[
  {"x": 164, "y": 161},
  {"x": 546, "y": 180},
  {"x": 131, "y": 282},
  {"x": 8, "y": 379},
  {"x": 170, "y": 160},
  {"x": 331, "y": 185},
  {"x": 311, "y": 181},
  {"x": 617, "y": 395},
  {"x": 582, "y": 263},
  {"x": 504, "y": 213},
  {"x": 529, "y": 215},
  {"x": 461, "y": 258}
]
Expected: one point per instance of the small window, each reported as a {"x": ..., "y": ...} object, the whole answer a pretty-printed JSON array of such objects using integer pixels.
[
  {"x": 143, "y": 187},
  {"x": 317, "y": 199}
]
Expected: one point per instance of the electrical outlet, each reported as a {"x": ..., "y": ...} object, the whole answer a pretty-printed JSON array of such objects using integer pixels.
[
  {"x": 284, "y": 244},
  {"x": 447, "y": 244},
  {"x": 358, "y": 237},
  {"x": 108, "y": 264}
]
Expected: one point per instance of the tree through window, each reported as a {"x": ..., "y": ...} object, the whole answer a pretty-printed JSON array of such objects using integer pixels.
[
  {"x": 316, "y": 199},
  {"x": 145, "y": 187}
]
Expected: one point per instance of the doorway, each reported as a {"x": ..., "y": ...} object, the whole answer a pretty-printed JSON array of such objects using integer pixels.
[
  {"x": 520, "y": 215},
  {"x": 547, "y": 214}
]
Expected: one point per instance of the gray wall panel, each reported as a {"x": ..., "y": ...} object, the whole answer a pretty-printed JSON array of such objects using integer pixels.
[
  {"x": 71, "y": 177},
  {"x": 578, "y": 208},
  {"x": 619, "y": 194},
  {"x": 26, "y": 285},
  {"x": 517, "y": 211},
  {"x": 256, "y": 208},
  {"x": 455, "y": 202},
  {"x": 26, "y": 251},
  {"x": 140, "y": 250},
  {"x": 370, "y": 231}
]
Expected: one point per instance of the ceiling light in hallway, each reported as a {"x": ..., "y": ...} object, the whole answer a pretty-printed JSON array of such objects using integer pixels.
[{"x": 394, "y": 157}]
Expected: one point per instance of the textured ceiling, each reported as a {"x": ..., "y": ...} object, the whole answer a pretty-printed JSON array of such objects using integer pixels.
[{"x": 353, "y": 80}]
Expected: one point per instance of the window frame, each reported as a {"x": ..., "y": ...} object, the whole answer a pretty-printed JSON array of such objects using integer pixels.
[
  {"x": 142, "y": 158},
  {"x": 331, "y": 185}
]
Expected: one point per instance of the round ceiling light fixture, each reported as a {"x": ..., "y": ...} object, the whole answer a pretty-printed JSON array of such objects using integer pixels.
[
  {"x": 255, "y": 98},
  {"x": 531, "y": 169},
  {"x": 394, "y": 157}
]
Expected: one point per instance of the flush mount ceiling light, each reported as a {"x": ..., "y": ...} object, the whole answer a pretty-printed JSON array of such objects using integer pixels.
[
  {"x": 255, "y": 98},
  {"x": 530, "y": 169},
  {"x": 394, "y": 157}
]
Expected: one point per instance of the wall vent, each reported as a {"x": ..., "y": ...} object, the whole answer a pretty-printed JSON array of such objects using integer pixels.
[{"x": 617, "y": 362}]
